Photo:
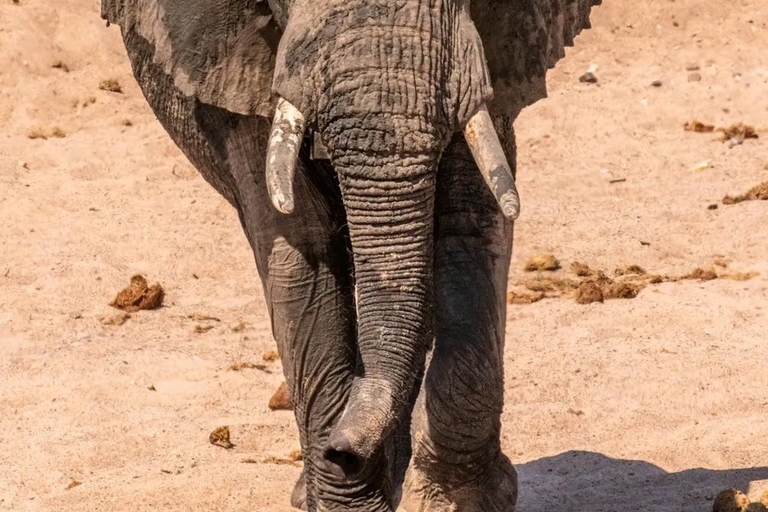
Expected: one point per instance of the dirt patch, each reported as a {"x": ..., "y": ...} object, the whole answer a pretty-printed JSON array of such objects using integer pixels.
[
  {"x": 139, "y": 295},
  {"x": 757, "y": 193},
  {"x": 221, "y": 437}
]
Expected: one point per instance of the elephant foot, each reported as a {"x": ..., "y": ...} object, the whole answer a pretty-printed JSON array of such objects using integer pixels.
[
  {"x": 492, "y": 489},
  {"x": 299, "y": 495}
]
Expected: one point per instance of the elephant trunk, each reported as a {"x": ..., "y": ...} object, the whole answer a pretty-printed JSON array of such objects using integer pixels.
[{"x": 389, "y": 199}]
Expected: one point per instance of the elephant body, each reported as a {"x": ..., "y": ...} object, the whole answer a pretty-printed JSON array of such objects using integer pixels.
[{"x": 396, "y": 247}]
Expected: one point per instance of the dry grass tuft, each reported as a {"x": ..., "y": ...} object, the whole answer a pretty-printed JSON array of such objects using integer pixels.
[
  {"x": 236, "y": 367},
  {"x": 622, "y": 290},
  {"x": 702, "y": 274},
  {"x": 757, "y": 193},
  {"x": 581, "y": 270},
  {"x": 59, "y": 64},
  {"x": 139, "y": 295},
  {"x": 281, "y": 400},
  {"x": 271, "y": 356},
  {"x": 542, "y": 262},
  {"x": 221, "y": 437},
  {"x": 296, "y": 455},
  {"x": 738, "y": 133},
  {"x": 111, "y": 85}
]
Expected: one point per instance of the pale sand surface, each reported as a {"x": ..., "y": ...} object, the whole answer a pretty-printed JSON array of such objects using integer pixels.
[{"x": 672, "y": 385}]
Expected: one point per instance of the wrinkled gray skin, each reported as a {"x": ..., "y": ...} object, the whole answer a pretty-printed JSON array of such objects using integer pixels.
[{"x": 396, "y": 245}]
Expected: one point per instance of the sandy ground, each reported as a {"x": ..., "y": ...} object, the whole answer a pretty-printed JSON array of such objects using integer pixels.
[{"x": 651, "y": 404}]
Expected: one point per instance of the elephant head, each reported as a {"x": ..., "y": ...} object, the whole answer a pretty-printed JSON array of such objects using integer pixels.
[{"x": 385, "y": 84}]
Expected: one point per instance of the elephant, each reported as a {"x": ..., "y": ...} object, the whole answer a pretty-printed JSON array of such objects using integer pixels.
[{"x": 368, "y": 147}]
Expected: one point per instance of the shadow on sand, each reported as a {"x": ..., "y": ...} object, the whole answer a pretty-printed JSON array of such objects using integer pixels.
[{"x": 590, "y": 482}]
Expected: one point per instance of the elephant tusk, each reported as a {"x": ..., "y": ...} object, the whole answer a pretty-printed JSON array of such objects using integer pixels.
[
  {"x": 283, "y": 151},
  {"x": 484, "y": 143}
]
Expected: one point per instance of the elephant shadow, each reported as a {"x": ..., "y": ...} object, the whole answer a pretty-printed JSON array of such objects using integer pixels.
[{"x": 580, "y": 481}]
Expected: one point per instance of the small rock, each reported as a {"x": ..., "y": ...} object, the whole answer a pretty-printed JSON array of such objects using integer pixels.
[
  {"x": 542, "y": 262},
  {"x": 588, "y": 78},
  {"x": 692, "y": 66},
  {"x": 239, "y": 327},
  {"x": 730, "y": 500},
  {"x": 656, "y": 83},
  {"x": 694, "y": 77},
  {"x": 221, "y": 437},
  {"x": 712, "y": 207},
  {"x": 72, "y": 485},
  {"x": 281, "y": 400},
  {"x": 202, "y": 329}
]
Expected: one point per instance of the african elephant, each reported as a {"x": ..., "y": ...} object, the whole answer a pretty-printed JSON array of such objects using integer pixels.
[{"x": 395, "y": 246}]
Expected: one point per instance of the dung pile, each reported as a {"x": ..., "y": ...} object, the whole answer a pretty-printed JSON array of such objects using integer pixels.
[{"x": 139, "y": 295}]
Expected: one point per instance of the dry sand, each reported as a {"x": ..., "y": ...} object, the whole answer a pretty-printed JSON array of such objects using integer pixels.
[{"x": 651, "y": 404}]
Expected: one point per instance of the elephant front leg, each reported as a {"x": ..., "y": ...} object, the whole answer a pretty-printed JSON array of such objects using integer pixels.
[{"x": 457, "y": 460}]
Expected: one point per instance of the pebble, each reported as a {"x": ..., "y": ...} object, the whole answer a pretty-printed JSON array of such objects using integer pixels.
[
  {"x": 694, "y": 77},
  {"x": 692, "y": 67},
  {"x": 588, "y": 78},
  {"x": 656, "y": 83}
]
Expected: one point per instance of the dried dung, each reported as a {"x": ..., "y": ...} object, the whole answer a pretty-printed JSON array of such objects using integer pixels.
[
  {"x": 221, "y": 437},
  {"x": 738, "y": 133},
  {"x": 542, "y": 262},
  {"x": 740, "y": 276},
  {"x": 701, "y": 274},
  {"x": 758, "y": 193},
  {"x": 622, "y": 290},
  {"x": 731, "y": 500},
  {"x": 698, "y": 127},
  {"x": 138, "y": 295},
  {"x": 581, "y": 270},
  {"x": 281, "y": 400},
  {"x": 111, "y": 85},
  {"x": 588, "y": 293},
  {"x": 271, "y": 356},
  {"x": 520, "y": 297},
  {"x": 630, "y": 270}
]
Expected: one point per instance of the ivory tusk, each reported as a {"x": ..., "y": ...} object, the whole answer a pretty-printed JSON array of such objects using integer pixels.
[
  {"x": 486, "y": 148},
  {"x": 285, "y": 141}
]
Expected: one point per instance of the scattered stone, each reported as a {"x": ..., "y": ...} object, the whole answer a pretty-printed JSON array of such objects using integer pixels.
[
  {"x": 202, "y": 329},
  {"x": 731, "y": 500},
  {"x": 588, "y": 78},
  {"x": 111, "y": 85},
  {"x": 757, "y": 193},
  {"x": 692, "y": 66},
  {"x": 239, "y": 327},
  {"x": 712, "y": 207},
  {"x": 698, "y": 127},
  {"x": 581, "y": 270},
  {"x": 542, "y": 262},
  {"x": 656, "y": 83},
  {"x": 139, "y": 295},
  {"x": 270, "y": 356},
  {"x": 588, "y": 293},
  {"x": 281, "y": 400},
  {"x": 151, "y": 387},
  {"x": 221, "y": 437},
  {"x": 694, "y": 77}
]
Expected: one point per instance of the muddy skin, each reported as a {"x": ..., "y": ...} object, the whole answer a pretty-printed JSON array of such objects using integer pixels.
[{"x": 395, "y": 245}]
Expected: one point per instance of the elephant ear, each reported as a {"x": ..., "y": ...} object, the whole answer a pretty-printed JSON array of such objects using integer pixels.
[
  {"x": 221, "y": 52},
  {"x": 522, "y": 40}
]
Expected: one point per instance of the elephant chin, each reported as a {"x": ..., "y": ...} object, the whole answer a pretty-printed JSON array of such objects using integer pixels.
[{"x": 368, "y": 419}]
